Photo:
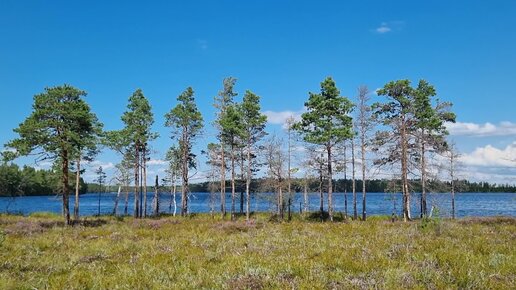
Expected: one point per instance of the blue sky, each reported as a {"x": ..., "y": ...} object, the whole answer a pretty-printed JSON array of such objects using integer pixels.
[{"x": 278, "y": 49}]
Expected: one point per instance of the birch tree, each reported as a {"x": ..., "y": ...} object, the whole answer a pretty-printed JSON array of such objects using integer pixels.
[{"x": 173, "y": 157}]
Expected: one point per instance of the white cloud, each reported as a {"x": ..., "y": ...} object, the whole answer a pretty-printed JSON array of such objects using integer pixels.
[
  {"x": 488, "y": 163},
  {"x": 383, "y": 29},
  {"x": 105, "y": 165},
  {"x": 482, "y": 130},
  {"x": 389, "y": 26},
  {"x": 156, "y": 162},
  {"x": 280, "y": 118},
  {"x": 490, "y": 156}
]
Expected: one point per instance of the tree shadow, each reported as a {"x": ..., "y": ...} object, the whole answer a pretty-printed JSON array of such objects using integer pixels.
[
  {"x": 89, "y": 223},
  {"x": 324, "y": 216}
]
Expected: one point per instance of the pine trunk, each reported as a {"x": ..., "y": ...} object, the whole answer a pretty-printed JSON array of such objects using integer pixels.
[
  {"x": 423, "y": 177},
  {"x": 222, "y": 181},
  {"x": 248, "y": 183},
  {"x": 136, "y": 213},
  {"x": 404, "y": 172},
  {"x": 144, "y": 161},
  {"x": 353, "y": 184},
  {"x": 77, "y": 187},
  {"x": 66, "y": 188},
  {"x": 233, "y": 213},
  {"x": 330, "y": 186}
]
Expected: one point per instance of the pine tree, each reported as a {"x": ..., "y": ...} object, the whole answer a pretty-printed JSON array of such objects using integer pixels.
[
  {"x": 55, "y": 130},
  {"x": 186, "y": 122},
  {"x": 327, "y": 122}
]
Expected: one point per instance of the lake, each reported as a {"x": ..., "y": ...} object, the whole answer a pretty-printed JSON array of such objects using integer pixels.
[{"x": 466, "y": 204}]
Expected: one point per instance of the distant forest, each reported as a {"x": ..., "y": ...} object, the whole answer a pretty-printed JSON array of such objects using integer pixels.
[
  {"x": 27, "y": 181},
  {"x": 374, "y": 185},
  {"x": 16, "y": 181}
]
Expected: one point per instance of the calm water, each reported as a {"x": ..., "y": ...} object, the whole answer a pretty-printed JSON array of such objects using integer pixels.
[{"x": 467, "y": 204}]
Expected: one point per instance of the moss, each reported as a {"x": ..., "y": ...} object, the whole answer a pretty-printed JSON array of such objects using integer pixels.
[{"x": 207, "y": 252}]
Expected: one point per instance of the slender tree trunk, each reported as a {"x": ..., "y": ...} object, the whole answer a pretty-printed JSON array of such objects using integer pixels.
[
  {"x": 156, "y": 198},
  {"x": 330, "y": 186},
  {"x": 66, "y": 187},
  {"x": 172, "y": 194},
  {"x": 184, "y": 171},
  {"x": 321, "y": 196},
  {"x": 144, "y": 162},
  {"x": 222, "y": 181},
  {"x": 404, "y": 170},
  {"x": 174, "y": 190},
  {"x": 280, "y": 196},
  {"x": 115, "y": 208},
  {"x": 77, "y": 187},
  {"x": 345, "y": 184},
  {"x": 136, "y": 182},
  {"x": 423, "y": 176},
  {"x": 100, "y": 195},
  {"x": 305, "y": 195},
  {"x": 141, "y": 186},
  {"x": 363, "y": 147},
  {"x": 242, "y": 174},
  {"x": 452, "y": 173},
  {"x": 288, "y": 174},
  {"x": 248, "y": 183},
  {"x": 126, "y": 198},
  {"x": 353, "y": 184},
  {"x": 233, "y": 213}
]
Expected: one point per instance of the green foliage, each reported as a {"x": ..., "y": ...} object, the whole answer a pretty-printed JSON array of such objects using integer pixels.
[
  {"x": 138, "y": 120},
  {"x": 232, "y": 125},
  {"x": 186, "y": 121},
  {"x": 27, "y": 181},
  {"x": 327, "y": 119},
  {"x": 253, "y": 121},
  {"x": 59, "y": 122},
  {"x": 164, "y": 254}
]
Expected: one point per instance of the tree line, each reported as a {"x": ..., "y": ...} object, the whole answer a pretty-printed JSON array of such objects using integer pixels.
[
  {"x": 403, "y": 135},
  {"x": 27, "y": 181}
]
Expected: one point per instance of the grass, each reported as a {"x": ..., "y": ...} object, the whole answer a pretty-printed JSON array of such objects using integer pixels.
[{"x": 203, "y": 252}]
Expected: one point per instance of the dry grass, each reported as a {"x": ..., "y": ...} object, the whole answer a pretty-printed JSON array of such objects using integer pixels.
[{"x": 205, "y": 253}]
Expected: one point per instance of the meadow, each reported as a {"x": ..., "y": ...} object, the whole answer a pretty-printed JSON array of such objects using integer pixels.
[{"x": 204, "y": 252}]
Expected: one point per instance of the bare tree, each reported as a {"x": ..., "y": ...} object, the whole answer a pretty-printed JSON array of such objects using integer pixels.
[
  {"x": 453, "y": 155},
  {"x": 364, "y": 125},
  {"x": 276, "y": 159}
]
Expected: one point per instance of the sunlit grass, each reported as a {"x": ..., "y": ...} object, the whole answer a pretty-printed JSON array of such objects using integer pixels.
[{"x": 205, "y": 252}]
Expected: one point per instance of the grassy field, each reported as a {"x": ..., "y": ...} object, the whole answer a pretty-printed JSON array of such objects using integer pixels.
[{"x": 202, "y": 252}]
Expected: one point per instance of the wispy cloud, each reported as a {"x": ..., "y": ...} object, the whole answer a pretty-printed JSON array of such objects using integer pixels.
[
  {"x": 389, "y": 26},
  {"x": 156, "y": 162},
  {"x": 482, "y": 130},
  {"x": 280, "y": 117},
  {"x": 105, "y": 165},
  {"x": 383, "y": 29}
]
